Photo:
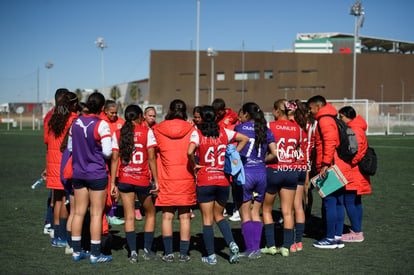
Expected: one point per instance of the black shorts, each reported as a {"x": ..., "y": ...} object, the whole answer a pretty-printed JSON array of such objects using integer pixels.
[
  {"x": 140, "y": 191},
  {"x": 95, "y": 185},
  {"x": 209, "y": 193},
  {"x": 301, "y": 177},
  {"x": 278, "y": 179}
]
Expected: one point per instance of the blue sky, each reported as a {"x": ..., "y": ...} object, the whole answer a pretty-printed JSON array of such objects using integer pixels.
[{"x": 34, "y": 32}]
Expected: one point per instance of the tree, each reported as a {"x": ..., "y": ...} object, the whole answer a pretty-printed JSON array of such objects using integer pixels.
[
  {"x": 78, "y": 93},
  {"x": 115, "y": 93},
  {"x": 133, "y": 93}
]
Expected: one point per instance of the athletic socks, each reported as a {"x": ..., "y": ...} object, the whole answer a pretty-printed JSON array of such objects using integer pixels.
[
  {"x": 247, "y": 232},
  {"x": 300, "y": 228},
  {"x": 62, "y": 228},
  {"x": 148, "y": 240},
  {"x": 257, "y": 234},
  {"x": 288, "y": 235},
  {"x": 131, "y": 240},
  {"x": 208, "y": 237},
  {"x": 168, "y": 244},
  {"x": 225, "y": 230},
  {"x": 95, "y": 248},
  {"x": 270, "y": 234},
  {"x": 185, "y": 246},
  {"x": 69, "y": 238},
  {"x": 76, "y": 244}
]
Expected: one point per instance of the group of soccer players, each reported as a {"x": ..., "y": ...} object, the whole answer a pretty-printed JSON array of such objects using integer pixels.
[{"x": 175, "y": 165}]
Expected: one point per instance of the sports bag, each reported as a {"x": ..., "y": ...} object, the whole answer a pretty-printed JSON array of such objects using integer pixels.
[
  {"x": 348, "y": 143},
  {"x": 368, "y": 164}
]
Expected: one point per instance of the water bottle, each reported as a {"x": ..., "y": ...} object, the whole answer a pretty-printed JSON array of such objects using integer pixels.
[{"x": 37, "y": 183}]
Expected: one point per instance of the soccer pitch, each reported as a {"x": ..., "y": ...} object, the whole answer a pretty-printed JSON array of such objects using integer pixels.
[{"x": 388, "y": 224}]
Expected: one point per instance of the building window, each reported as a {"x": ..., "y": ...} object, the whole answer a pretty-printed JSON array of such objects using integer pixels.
[
  {"x": 246, "y": 75},
  {"x": 268, "y": 74},
  {"x": 287, "y": 71},
  {"x": 312, "y": 87},
  {"x": 309, "y": 71},
  {"x": 220, "y": 76},
  {"x": 240, "y": 90},
  {"x": 287, "y": 88},
  {"x": 186, "y": 74}
]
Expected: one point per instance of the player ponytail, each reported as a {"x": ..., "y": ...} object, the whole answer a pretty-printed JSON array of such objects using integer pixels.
[
  {"x": 257, "y": 115},
  {"x": 208, "y": 126},
  {"x": 64, "y": 107},
  {"x": 126, "y": 139}
]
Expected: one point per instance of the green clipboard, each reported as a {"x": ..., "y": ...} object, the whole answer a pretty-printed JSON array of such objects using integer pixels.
[{"x": 333, "y": 181}]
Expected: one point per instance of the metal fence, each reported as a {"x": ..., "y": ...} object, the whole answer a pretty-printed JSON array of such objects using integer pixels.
[{"x": 383, "y": 118}]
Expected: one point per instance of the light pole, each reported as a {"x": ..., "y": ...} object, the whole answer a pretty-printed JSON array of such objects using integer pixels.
[
  {"x": 382, "y": 97},
  {"x": 243, "y": 75},
  {"x": 358, "y": 11},
  {"x": 197, "y": 84},
  {"x": 402, "y": 94},
  {"x": 212, "y": 53},
  {"x": 102, "y": 45},
  {"x": 48, "y": 65}
]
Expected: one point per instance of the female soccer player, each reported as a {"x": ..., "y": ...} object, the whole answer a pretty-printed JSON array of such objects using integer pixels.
[
  {"x": 90, "y": 144},
  {"x": 253, "y": 157},
  {"x": 135, "y": 145},
  {"x": 299, "y": 115},
  {"x": 59, "y": 123},
  {"x": 175, "y": 178},
  {"x": 211, "y": 141},
  {"x": 282, "y": 177},
  {"x": 359, "y": 184}
]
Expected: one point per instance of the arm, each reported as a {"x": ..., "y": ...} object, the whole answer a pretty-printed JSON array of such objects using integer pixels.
[
  {"x": 272, "y": 156},
  {"x": 114, "y": 170},
  {"x": 242, "y": 140},
  {"x": 191, "y": 156},
  {"x": 152, "y": 161}
]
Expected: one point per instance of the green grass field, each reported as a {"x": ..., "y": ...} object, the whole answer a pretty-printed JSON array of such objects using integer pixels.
[{"x": 388, "y": 224}]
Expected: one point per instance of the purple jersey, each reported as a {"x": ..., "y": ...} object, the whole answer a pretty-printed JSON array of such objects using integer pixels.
[
  {"x": 87, "y": 158},
  {"x": 253, "y": 158}
]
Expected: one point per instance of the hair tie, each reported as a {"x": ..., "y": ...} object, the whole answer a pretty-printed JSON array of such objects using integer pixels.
[{"x": 291, "y": 106}]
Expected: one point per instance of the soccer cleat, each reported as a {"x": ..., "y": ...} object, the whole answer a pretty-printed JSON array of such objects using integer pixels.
[
  {"x": 299, "y": 246},
  {"x": 77, "y": 256},
  {"x": 184, "y": 258},
  {"x": 339, "y": 243},
  {"x": 269, "y": 250},
  {"x": 292, "y": 248},
  {"x": 353, "y": 237},
  {"x": 212, "y": 259},
  {"x": 68, "y": 249},
  {"x": 255, "y": 254},
  {"x": 47, "y": 229},
  {"x": 168, "y": 258},
  {"x": 235, "y": 217},
  {"x": 234, "y": 253},
  {"x": 138, "y": 215},
  {"x": 284, "y": 251},
  {"x": 99, "y": 259},
  {"x": 326, "y": 244},
  {"x": 225, "y": 213},
  {"x": 115, "y": 220},
  {"x": 57, "y": 242},
  {"x": 149, "y": 255},
  {"x": 133, "y": 258}
]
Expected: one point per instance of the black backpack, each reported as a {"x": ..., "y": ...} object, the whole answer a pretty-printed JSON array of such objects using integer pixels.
[
  {"x": 368, "y": 164},
  {"x": 348, "y": 143}
]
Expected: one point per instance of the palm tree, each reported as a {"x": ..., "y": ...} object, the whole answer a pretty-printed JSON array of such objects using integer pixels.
[
  {"x": 78, "y": 93},
  {"x": 133, "y": 93},
  {"x": 115, "y": 93}
]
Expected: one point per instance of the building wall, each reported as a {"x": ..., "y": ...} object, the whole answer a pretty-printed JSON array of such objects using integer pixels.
[{"x": 295, "y": 75}]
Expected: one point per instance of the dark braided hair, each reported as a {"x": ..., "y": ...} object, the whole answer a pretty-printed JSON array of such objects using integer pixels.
[
  {"x": 126, "y": 139},
  {"x": 260, "y": 128},
  {"x": 208, "y": 126}
]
